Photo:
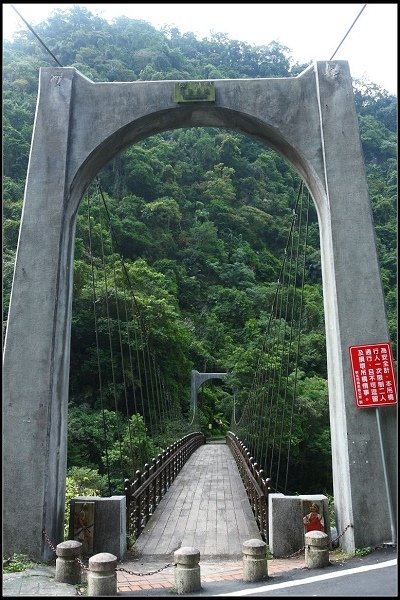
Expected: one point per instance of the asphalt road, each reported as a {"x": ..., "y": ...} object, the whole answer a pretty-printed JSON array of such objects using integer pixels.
[
  {"x": 374, "y": 575},
  {"x": 373, "y": 580}
]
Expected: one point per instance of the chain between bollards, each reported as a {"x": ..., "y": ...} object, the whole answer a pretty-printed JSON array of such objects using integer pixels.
[
  {"x": 332, "y": 541},
  {"x": 86, "y": 567},
  {"x": 144, "y": 574},
  {"x": 343, "y": 532},
  {"x": 49, "y": 541}
]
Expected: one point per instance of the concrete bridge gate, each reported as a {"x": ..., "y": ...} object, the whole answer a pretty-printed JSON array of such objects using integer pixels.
[
  {"x": 79, "y": 127},
  {"x": 197, "y": 380}
]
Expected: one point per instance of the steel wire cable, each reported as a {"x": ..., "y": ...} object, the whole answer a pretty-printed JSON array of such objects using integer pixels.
[
  {"x": 348, "y": 31},
  {"x": 98, "y": 347},
  {"x": 305, "y": 246},
  {"x": 116, "y": 294},
  {"x": 289, "y": 347},
  {"x": 135, "y": 402},
  {"x": 112, "y": 362},
  {"x": 147, "y": 352}
]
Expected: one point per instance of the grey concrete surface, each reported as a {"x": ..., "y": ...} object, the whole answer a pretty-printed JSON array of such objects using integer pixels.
[
  {"x": 285, "y": 521},
  {"x": 109, "y": 523},
  {"x": 197, "y": 380},
  {"x": 39, "y": 581}
]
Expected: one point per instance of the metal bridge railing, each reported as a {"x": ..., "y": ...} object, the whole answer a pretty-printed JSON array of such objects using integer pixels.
[
  {"x": 144, "y": 491},
  {"x": 254, "y": 480}
]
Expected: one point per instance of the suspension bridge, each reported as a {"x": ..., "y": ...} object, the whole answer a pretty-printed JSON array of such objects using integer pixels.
[
  {"x": 216, "y": 497},
  {"x": 317, "y": 132},
  {"x": 262, "y": 416}
]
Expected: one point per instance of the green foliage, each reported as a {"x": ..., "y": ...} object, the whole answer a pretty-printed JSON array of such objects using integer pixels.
[
  {"x": 131, "y": 450},
  {"x": 86, "y": 435},
  {"x": 339, "y": 555},
  {"x": 105, "y": 448},
  {"x": 16, "y": 563},
  {"x": 363, "y": 551},
  {"x": 331, "y": 510}
]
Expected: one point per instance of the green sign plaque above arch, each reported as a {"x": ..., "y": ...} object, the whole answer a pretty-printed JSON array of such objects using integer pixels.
[{"x": 195, "y": 91}]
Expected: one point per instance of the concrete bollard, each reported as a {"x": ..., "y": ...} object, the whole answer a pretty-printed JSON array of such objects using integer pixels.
[
  {"x": 68, "y": 570},
  {"x": 187, "y": 570},
  {"x": 255, "y": 564},
  {"x": 317, "y": 550},
  {"x": 102, "y": 576}
]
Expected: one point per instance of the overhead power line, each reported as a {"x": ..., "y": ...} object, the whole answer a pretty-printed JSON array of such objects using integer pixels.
[{"x": 351, "y": 27}]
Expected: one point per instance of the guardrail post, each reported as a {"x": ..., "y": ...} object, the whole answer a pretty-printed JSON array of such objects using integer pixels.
[
  {"x": 153, "y": 493},
  {"x": 168, "y": 470},
  {"x": 68, "y": 570},
  {"x": 187, "y": 570},
  {"x": 102, "y": 576},
  {"x": 159, "y": 493},
  {"x": 135, "y": 511},
  {"x": 317, "y": 550},
  {"x": 255, "y": 564},
  {"x": 146, "y": 507}
]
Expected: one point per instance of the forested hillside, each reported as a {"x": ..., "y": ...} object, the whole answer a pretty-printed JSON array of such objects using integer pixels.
[{"x": 201, "y": 217}]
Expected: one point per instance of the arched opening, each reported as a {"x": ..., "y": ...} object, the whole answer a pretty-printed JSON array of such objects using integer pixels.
[
  {"x": 187, "y": 117},
  {"x": 210, "y": 234}
]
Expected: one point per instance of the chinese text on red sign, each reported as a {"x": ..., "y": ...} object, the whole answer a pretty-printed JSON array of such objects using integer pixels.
[{"x": 373, "y": 375}]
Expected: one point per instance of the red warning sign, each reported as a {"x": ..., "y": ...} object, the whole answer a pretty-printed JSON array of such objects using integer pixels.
[{"x": 373, "y": 375}]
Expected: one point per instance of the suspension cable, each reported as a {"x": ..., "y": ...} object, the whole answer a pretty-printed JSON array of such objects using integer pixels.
[
  {"x": 149, "y": 367},
  {"x": 97, "y": 345},
  {"x": 121, "y": 351},
  {"x": 348, "y": 31},
  {"x": 268, "y": 402},
  {"x": 294, "y": 286},
  {"x": 37, "y": 36},
  {"x": 139, "y": 432},
  {"x": 111, "y": 347},
  {"x": 298, "y": 336},
  {"x": 281, "y": 409}
]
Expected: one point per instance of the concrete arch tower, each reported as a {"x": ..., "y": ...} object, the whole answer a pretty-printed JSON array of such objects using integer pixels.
[
  {"x": 197, "y": 380},
  {"x": 79, "y": 127}
]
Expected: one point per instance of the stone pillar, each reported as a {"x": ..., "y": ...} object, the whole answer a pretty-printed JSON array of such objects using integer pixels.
[
  {"x": 110, "y": 524},
  {"x": 68, "y": 570},
  {"x": 285, "y": 524},
  {"x": 187, "y": 570},
  {"x": 197, "y": 380},
  {"x": 255, "y": 565},
  {"x": 37, "y": 344},
  {"x": 354, "y": 315},
  {"x": 102, "y": 576},
  {"x": 317, "y": 550}
]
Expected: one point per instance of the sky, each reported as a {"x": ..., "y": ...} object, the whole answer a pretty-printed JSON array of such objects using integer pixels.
[{"x": 309, "y": 31}]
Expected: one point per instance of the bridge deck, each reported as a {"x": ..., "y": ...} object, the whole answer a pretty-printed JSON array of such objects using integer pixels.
[{"x": 205, "y": 507}]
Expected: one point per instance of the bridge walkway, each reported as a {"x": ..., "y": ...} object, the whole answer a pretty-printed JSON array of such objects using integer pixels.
[{"x": 205, "y": 507}]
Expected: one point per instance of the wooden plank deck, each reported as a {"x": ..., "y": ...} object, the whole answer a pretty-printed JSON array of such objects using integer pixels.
[{"x": 205, "y": 507}]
